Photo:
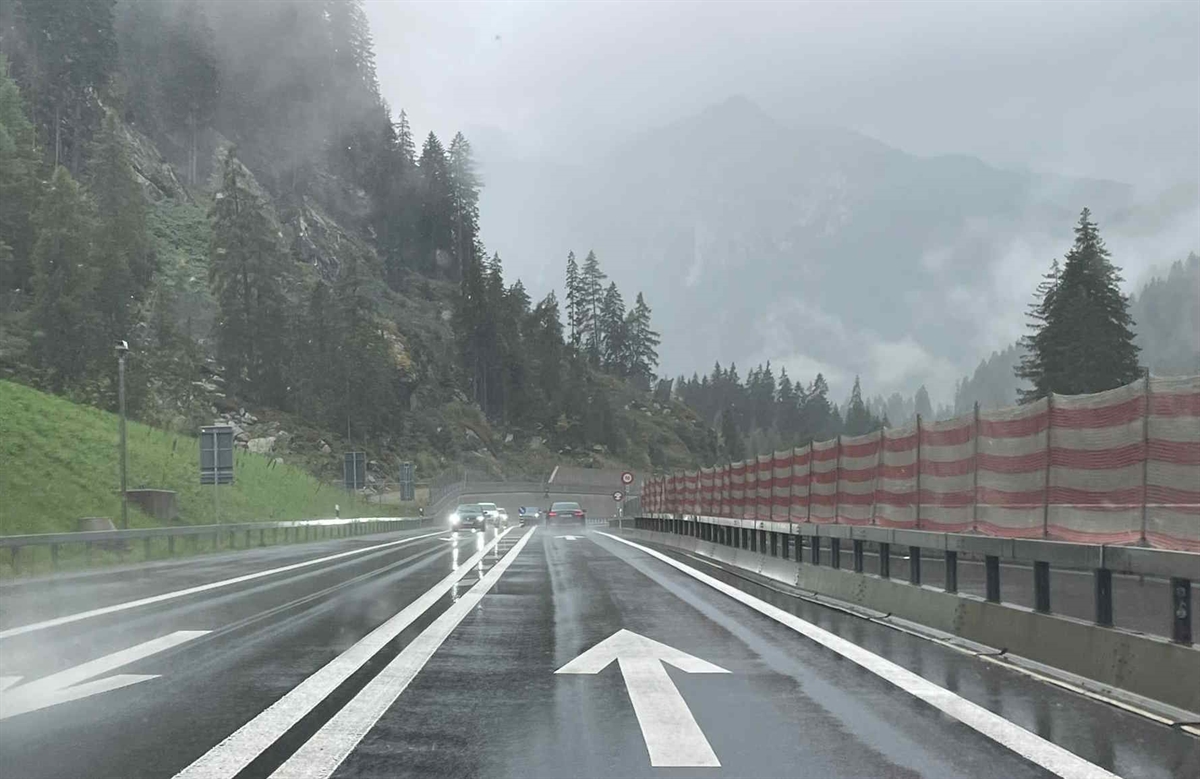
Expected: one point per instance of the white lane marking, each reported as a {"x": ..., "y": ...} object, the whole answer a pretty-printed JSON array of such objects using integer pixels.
[
  {"x": 570, "y": 538},
  {"x": 252, "y": 739},
  {"x": 672, "y": 735},
  {"x": 320, "y": 756},
  {"x": 133, "y": 604},
  {"x": 72, "y": 684},
  {"x": 1032, "y": 747}
]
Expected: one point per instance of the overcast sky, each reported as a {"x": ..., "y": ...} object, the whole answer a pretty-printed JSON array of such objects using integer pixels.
[
  {"x": 1101, "y": 89},
  {"x": 1105, "y": 89}
]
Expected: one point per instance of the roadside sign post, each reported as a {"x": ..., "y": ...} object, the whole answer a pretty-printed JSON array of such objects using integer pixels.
[
  {"x": 354, "y": 471},
  {"x": 407, "y": 482},
  {"x": 216, "y": 460}
]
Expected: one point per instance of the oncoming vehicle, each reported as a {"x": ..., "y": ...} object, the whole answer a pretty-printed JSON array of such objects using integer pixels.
[
  {"x": 468, "y": 515},
  {"x": 502, "y": 516},
  {"x": 566, "y": 511},
  {"x": 490, "y": 511}
]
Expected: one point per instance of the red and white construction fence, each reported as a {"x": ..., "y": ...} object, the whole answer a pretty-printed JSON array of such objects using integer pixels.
[{"x": 1116, "y": 467}]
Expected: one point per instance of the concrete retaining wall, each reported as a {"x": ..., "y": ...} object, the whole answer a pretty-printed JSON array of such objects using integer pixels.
[{"x": 1145, "y": 665}]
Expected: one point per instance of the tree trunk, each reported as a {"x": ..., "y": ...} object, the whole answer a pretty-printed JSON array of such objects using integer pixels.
[
  {"x": 192, "y": 159},
  {"x": 57, "y": 134},
  {"x": 77, "y": 138}
]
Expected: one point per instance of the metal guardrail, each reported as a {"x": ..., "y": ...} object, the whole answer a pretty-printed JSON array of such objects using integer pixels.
[
  {"x": 1181, "y": 568},
  {"x": 118, "y": 539}
]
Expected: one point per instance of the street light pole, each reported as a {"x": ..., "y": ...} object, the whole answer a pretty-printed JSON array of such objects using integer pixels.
[{"x": 122, "y": 350}]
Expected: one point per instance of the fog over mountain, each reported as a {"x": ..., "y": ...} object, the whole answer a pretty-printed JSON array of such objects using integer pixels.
[{"x": 791, "y": 182}]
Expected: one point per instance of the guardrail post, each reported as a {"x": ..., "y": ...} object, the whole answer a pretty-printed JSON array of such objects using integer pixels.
[
  {"x": 1181, "y": 610},
  {"x": 216, "y": 540},
  {"x": 914, "y": 565},
  {"x": 146, "y": 547},
  {"x": 783, "y": 545},
  {"x": 247, "y": 539},
  {"x": 815, "y": 554},
  {"x": 1041, "y": 586},
  {"x": 885, "y": 560},
  {"x": 991, "y": 568},
  {"x": 16, "y": 563},
  {"x": 171, "y": 545},
  {"x": 951, "y": 571},
  {"x": 262, "y": 536},
  {"x": 54, "y": 557},
  {"x": 857, "y": 546},
  {"x": 1104, "y": 606},
  {"x": 88, "y": 547},
  {"x": 835, "y": 552}
]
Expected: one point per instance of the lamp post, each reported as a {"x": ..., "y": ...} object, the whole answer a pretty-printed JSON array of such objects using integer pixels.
[{"x": 122, "y": 350}]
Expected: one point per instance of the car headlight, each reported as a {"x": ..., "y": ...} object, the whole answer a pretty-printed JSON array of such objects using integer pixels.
[{"x": 453, "y": 519}]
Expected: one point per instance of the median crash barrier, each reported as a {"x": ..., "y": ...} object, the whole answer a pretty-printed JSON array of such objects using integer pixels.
[
  {"x": 808, "y": 557},
  {"x": 291, "y": 531}
]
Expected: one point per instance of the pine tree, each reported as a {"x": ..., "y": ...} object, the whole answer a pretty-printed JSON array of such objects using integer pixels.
[
  {"x": 731, "y": 438},
  {"x": 592, "y": 283},
  {"x": 464, "y": 198},
  {"x": 75, "y": 53},
  {"x": 62, "y": 283},
  {"x": 188, "y": 77},
  {"x": 1036, "y": 342},
  {"x": 641, "y": 344},
  {"x": 577, "y": 308},
  {"x": 859, "y": 420},
  {"x": 924, "y": 407},
  {"x": 1083, "y": 337},
  {"x": 246, "y": 270},
  {"x": 439, "y": 212},
  {"x": 613, "y": 332},
  {"x": 19, "y": 166},
  {"x": 122, "y": 256}
]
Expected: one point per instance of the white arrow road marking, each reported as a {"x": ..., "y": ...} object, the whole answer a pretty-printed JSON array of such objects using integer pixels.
[
  {"x": 252, "y": 739},
  {"x": 1032, "y": 747},
  {"x": 17, "y": 631},
  {"x": 72, "y": 684},
  {"x": 320, "y": 756},
  {"x": 672, "y": 736}
]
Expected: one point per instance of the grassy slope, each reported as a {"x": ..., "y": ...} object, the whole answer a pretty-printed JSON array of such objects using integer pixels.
[{"x": 58, "y": 462}]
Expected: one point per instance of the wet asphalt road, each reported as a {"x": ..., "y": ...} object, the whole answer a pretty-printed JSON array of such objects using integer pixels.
[{"x": 485, "y": 700}]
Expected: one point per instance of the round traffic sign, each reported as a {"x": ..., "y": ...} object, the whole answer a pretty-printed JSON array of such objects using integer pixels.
[
  {"x": 627, "y": 477},
  {"x": 618, "y": 496}
]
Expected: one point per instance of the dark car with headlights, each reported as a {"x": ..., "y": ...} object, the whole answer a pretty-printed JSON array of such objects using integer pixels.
[{"x": 468, "y": 516}]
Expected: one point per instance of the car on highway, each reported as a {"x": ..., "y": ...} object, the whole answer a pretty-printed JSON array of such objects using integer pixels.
[
  {"x": 468, "y": 515},
  {"x": 529, "y": 515},
  {"x": 490, "y": 511},
  {"x": 566, "y": 511},
  {"x": 502, "y": 516}
]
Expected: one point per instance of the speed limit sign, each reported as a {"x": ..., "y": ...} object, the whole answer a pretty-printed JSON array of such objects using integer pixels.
[
  {"x": 627, "y": 478},
  {"x": 618, "y": 496}
]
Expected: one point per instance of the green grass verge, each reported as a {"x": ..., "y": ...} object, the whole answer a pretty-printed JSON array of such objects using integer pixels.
[{"x": 59, "y": 462}]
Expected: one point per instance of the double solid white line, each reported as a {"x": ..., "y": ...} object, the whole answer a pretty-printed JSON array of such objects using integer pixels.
[
  {"x": 238, "y": 750},
  {"x": 320, "y": 756}
]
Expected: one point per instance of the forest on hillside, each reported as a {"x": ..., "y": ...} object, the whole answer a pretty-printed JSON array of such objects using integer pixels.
[{"x": 222, "y": 185}]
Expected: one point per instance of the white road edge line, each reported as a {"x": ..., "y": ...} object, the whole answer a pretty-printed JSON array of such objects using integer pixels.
[
  {"x": 133, "y": 604},
  {"x": 252, "y": 739},
  {"x": 320, "y": 756},
  {"x": 1032, "y": 747}
]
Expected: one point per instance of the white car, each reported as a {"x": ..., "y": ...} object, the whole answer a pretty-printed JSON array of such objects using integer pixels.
[{"x": 490, "y": 511}]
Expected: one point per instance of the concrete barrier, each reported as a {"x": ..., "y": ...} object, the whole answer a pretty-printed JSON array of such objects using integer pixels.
[{"x": 1145, "y": 665}]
